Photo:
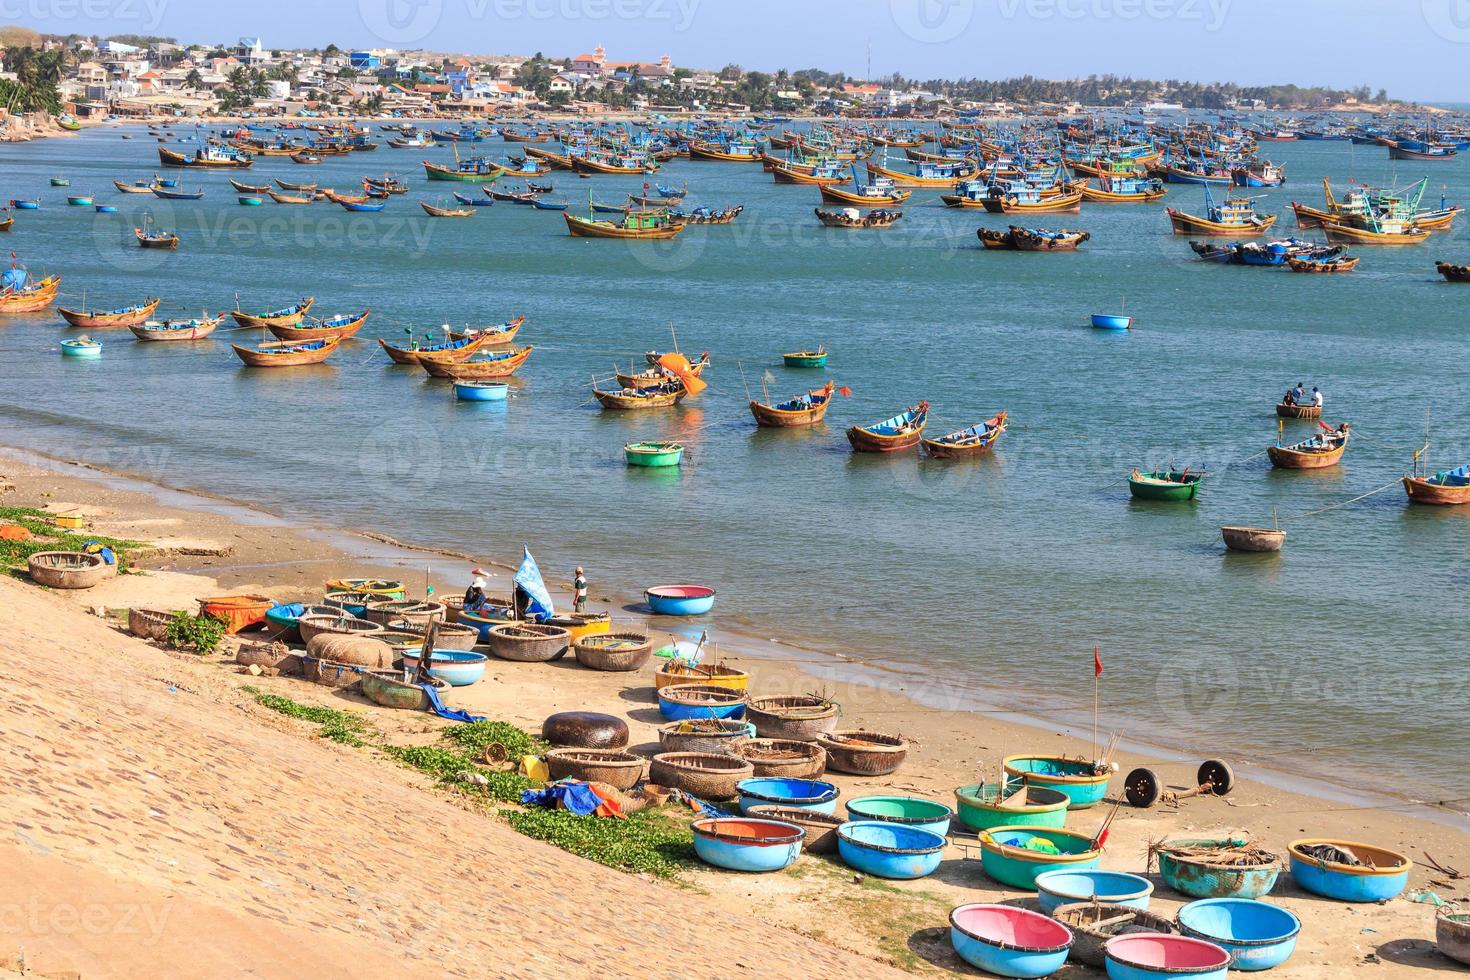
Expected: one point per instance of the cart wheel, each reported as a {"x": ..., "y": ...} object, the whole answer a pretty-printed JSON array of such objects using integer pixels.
[
  {"x": 1142, "y": 787},
  {"x": 1218, "y": 774}
]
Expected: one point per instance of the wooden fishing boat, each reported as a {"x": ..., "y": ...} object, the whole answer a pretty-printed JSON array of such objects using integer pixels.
[
  {"x": 649, "y": 225},
  {"x": 1341, "y": 263},
  {"x": 1445, "y": 488},
  {"x": 501, "y": 364},
  {"x": 289, "y": 198},
  {"x": 1113, "y": 189},
  {"x": 285, "y": 317},
  {"x": 637, "y": 399},
  {"x": 286, "y": 185},
  {"x": 1070, "y": 202},
  {"x": 612, "y": 164},
  {"x": 166, "y": 330},
  {"x": 1452, "y": 272},
  {"x": 808, "y": 408},
  {"x": 245, "y": 188},
  {"x": 306, "y": 159},
  {"x": 341, "y": 326},
  {"x": 168, "y": 194},
  {"x": 656, "y": 376},
  {"x": 1290, "y": 410},
  {"x": 500, "y": 333},
  {"x": 1236, "y": 217},
  {"x": 973, "y": 441},
  {"x": 561, "y": 161},
  {"x": 336, "y": 198},
  {"x": 786, "y": 172},
  {"x": 6, "y": 222},
  {"x": 127, "y": 316},
  {"x": 485, "y": 201},
  {"x": 156, "y": 239},
  {"x": 434, "y": 212},
  {"x": 136, "y": 187},
  {"x": 853, "y": 218},
  {"x": 211, "y": 157},
  {"x": 1350, "y": 235},
  {"x": 706, "y": 216},
  {"x": 285, "y": 353},
  {"x": 1033, "y": 239},
  {"x": 452, "y": 350},
  {"x": 902, "y": 431},
  {"x": 929, "y": 174},
  {"x": 1253, "y": 538},
  {"x": 31, "y": 297},
  {"x": 730, "y": 153},
  {"x": 1309, "y": 217},
  {"x": 475, "y": 169},
  {"x": 1171, "y": 485},
  {"x": 1322, "y": 450}
]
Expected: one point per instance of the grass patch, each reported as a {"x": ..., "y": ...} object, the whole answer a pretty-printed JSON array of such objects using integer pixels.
[
  {"x": 474, "y": 738},
  {"x": 48, "y": 537},
  {"x": 449, "y": 766},
  {"x": 338, "y": 726},
  {"x": 647, "y": 842}
]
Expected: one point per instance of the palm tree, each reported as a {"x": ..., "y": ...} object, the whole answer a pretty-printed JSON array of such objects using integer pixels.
[{"x": 194, "y": 80}]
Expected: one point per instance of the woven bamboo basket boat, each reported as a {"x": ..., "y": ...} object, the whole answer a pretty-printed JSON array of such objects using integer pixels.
[
  {"x": 150, "y": 624},
  {"x": 861, "y": 753},
  {"x": 67, "y": 569},
  {"x": 529, "y": 642},
  {"x": 452, "y": 607},
  {"x": 329, "y": 674},
  {"x": 389, "y": 689},
  {"x": 613, "y": 651},
  {"x": 714, "y": 675},
  {"x": 707, "y": 775},
  {"x": 580, "y": 624},
  {"x": 717, "y": 735},
  {"x": 802, "y": 717},
  {"x": 451, "y": 636},
  {"x": 612, "y": 766},
  {"x": 269, "y": 655},
  {"x": 1094, "y": 923},
  {"x": 821, "y": 828},
  {"x": 320, "y": 624},
  {"x": 351, "y": 600},
  {"x": 420, "y": 614},
  {"x": 784, "y": 758}
]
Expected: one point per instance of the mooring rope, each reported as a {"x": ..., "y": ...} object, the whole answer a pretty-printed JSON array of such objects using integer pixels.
[{"x": 1323, "y": 510}]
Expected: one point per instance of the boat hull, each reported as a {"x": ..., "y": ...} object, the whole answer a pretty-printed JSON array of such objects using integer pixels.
[
  {"x": 1257, "y": 539},
  {"x": 1422, "y": 491},
  {"x": 103, "y": 321},
  {"x": 1286, "y": 458}
]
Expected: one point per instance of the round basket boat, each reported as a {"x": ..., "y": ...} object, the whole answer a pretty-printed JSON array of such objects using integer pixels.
[
  {"x": 419, "y": 614},
  {"x": 354, "y": 603},
  {"x": 821, "y": 828},
  {"x": 283, "y": 622},
  {"x": 1452, "y": 934},
  {"x": 460, "y": 668},
  {"x": 1378, "y": 875},
  {"x": 149, "y": 624},
  {"x": 679, "y": 600},
  {"x": 1006, "y": 858},
  {"x": 485, "y": 618},
  {"x": 1257, "y": 935},
  {"x": 272, "y": 655},
  {"x": 585, "y": 730},
  {"x": 1009, "y": 941},
  {"x": 1079, "y": 779},
  {"x": 582, "y": 624},
  {"x": 389, "y": 689},
  {"x": 67, "y": 569},
  {"x": 529, "y": 642},
  {"x": 451, "y": 636},
  {"x": 707, "y": 775},
  {"x": 1143, "y": 955},
  {"x": 802, "y": 717},
  {"x": 1187, "y": 867},
  {"x": 1057, "y": 888},
  {"x": 1094, "y": 923},
  {"x": 619, "y": 769},
  {"x": 704, "y": 735},
  {"x": 684, "y": 701},
  {"x": 328, "y": 673},
  {"x": 357, "y": 649},
  {"x": 888, "y": 850},
  {"x": 784, "y": 758},
  {"x": 982, "y": 806},
  {"x": 714, "y": 675},
  {"x": 742, "y": 844},
  {"x": 379, "y": 587},
  {"x": 321, "y": 624},
  {"x": 796, "y": 794},
  {"x": 452, "y": 606},
  {"x": 907, "y": 811},
  {"x": 861, "y": 753},
  {"x": 1253, "y": 538},
  {"x": 613, "y": 651}
]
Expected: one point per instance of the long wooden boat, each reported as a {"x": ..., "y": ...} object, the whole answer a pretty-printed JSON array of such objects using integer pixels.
[
  {"x": 156, "y": 239},
  {"x": 1171, "y": 485},
  {"x": 280, "y": 198},
  {"x": 833, "y": 194},
  {"x": 201, "y": 158},
  {"x": 1148, "y": 190},
  {"x": 136, "y": 187},
  {"x": 453, "y": 350},
  {"x": 656, "y": 376},
  {"x": 474, "y": 171},
  {"x": 287, "y": 185},
  {"x": 500, "y": 333},
  {"x": 611, "y": 165},
  {"x": 902, "y": 431},
  {"x": 1322, "y": 450},
  {"x": 1452, "y": 272},
  {"x": 854, "y": 219},
  {"x": 434, "y": 212},
  {"x": 645, "y": 225},
  {"x": 699, "y": 150},
  {"x": 287, "y": 316},
  {"x": 485, "y": 367},
  {"x": 973, "y": 441},
  {"x": 245, "y": 188},
  {"x": 1351, "y": 235},
  {"x": 7, "y": 222},
  {"x": 807, "y": 408},
  {"x": 1446, "y": 488},
  {"x": 1011, "y": 204},
  {"x": 1234, "y": 218},
  {"x": 341, "y": 326},
  {"x": 561, "y": 161},
  {"x": 1291, "y": 410},
  {"x": 285, "y": 353},
  {"x": 31, "y": 297},
  {"x": 1021, "y": 239},
  {"x": 637, "y": 399},
  {"x": 785, "y": 172},
  {"x": 903, "y": 179},
  {"x": 127, "y": 316},
  {"x": 166, "y": 330},
  {"x": 1339, "y": 263}
]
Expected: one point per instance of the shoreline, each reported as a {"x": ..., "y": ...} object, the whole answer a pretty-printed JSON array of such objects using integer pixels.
[{"x": 809, "y": 661}]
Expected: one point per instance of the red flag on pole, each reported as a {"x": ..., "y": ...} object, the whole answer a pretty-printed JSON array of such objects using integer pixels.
[{"x": 1096, "y": 662}]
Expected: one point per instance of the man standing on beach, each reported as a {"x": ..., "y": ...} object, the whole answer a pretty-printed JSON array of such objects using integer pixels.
[{"x": 579, "y": 591}]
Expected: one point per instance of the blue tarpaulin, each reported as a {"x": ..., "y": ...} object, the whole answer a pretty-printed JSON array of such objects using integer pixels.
[
  {"x": 444, "y": 711},
  {"x": 13, "y": 278},
  {"x": 578, "y": 798},
  {"x": 528, "y": 580}
]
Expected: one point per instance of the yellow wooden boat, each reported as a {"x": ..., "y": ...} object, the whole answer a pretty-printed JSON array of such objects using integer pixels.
[
  {"x": 838, "y": 195},
  {"x": 710, "y": 675},
  {"x": 1350, "y": 235},
  {"x": 902, "y": 179},
  {"x": 648, "y": 225}
]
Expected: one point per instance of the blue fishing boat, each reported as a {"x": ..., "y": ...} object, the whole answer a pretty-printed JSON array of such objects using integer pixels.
[
  {"x": 177, "y": 195},
  {"x": 365, "y": 206},
  {"x": 746, "y": 844},
  {"x": 1016, "y": 855},
  {"x": 887, "y": 850},
  {"x": 1112, "y": 321},
  {"x": 1009, "y": 941},
  {"x": 1067, "y": 886},
  {"x": 1257, "y": 936},
  {"x": 1347, "y": 870},
  {"x": 474, "y": 202},
  {"x": 79, "y": 200},
  {"x": 1153, "y": 956},
  {"x": 106, "y": 209},
  {"x": 24, "y": 205},
  {"x": 680, "y": 600},
  {"x": 481, "y": 391},
  {"x": 684, "y": 702},
  {"x": 794, "y": 794},
  {"x": 906, "y": 811},
  {"x": 460, "y": 668},
  {"x": 543, "y": 205}
]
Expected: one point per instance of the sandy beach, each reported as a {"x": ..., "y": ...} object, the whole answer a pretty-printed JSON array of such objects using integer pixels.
[{"x": 153, "y": 800}]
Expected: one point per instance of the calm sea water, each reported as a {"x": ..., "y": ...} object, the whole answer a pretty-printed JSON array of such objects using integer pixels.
[{"x": 991, "y": 579}]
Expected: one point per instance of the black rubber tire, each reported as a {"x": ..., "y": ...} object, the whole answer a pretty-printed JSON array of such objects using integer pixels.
[
  {"x": 1142, "y": 788},
  {"x": 1218, "y": 774}
]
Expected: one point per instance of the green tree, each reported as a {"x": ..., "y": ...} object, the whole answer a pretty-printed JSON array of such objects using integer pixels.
[{"x": 194, "y": 80}]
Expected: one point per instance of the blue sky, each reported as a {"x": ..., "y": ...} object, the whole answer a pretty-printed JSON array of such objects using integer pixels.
[{"x": 1415, "y": 48}]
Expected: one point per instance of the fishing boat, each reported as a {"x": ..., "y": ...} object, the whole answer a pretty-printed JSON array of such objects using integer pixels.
[
  {"x": 1378, "y": 233},
  {"x": 1253, "y": 539},
  {"x": 805, "y": 358},
  {"x": 166, "y": 330},
  {"x": 84, "y": 347},
  {"x": 60, "y": 182},
  {"x": 360, "y": 206},
  {"x": 436, "y": 212},
  {"x": 649, "y": 225},
  {"x": 731, "y": 151},
  {"x": 79, "y": 200},
  {"x": 1021, "y": 239},
  {"x": 541, "y": 204},
  {"x": 210, "y": 156},
  {"x": 853, "y": 218},
  {"x": 1328, "y": 264},
  {"x": 387, "y": 182},
  {"x": 876, "y": 190},
  {"x": 472, "y": 169},
  {"x": 706, "y": 216},
  {"x": 483, "y": 367},
  {"x": 285, "y": 353},
  {"x": 484, "y": 201},
  {"x": 927, "y": 173},
  {"x": 1259, "y": 173},
  {"x": 168, "y": 194},
  {"x": 245, "y": 188},
  {"x": 1404, "y": 150},
  {"x": 289, "y": 198},
  {"x": 126, "y": 316},
  {"x": 1027, "y": 201},
  {"x": 500, "y": 333},
  {"x": 287, "y": 185},
  {"x": 306, "y": 159},
  {"x": 285, "y": 317},
  {"x": 1234, "y": 217},
  {"x": 20, "y": 294},
  {"x": 341, "y": 326},
  {"x": 808, "y": 408},
  {"x": 1120, "y": 189},
  {"x": 1295, "y": 410},
  {"x": 1445, "y": 488},
  {"x": 902, "y": 431},
  {"x": 656, "y": 376},
  {"x": 601, "y": 162},
  {"x": 1452, "y": 272},
  {"x": 451, "y": 350},
  {"x": 481, "y": 391},
  {"x": 1112, "y": 321},
  {"x": 148, "y": 238},
  {"x": 6, "y": 222},
  {"x": 653, "y": 454},
  {"x": 1170, "y": 484},
  {"x": 21, "y": 205},
  {"x": 136, "y": 187},
  {"x": 973, "y": 441},
  {"x": 249, "y": 201},
  {"x": 638, "y": 399},
  {"x": 1322, "y": 450}
]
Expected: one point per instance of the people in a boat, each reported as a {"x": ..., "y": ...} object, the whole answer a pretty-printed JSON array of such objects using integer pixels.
[
  {"x": 1316, "y": 396},
  {"x": 1298, "y": 394},
  {"x": 1289, "y": 398},
  {"x": 474, "y": 596}
]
